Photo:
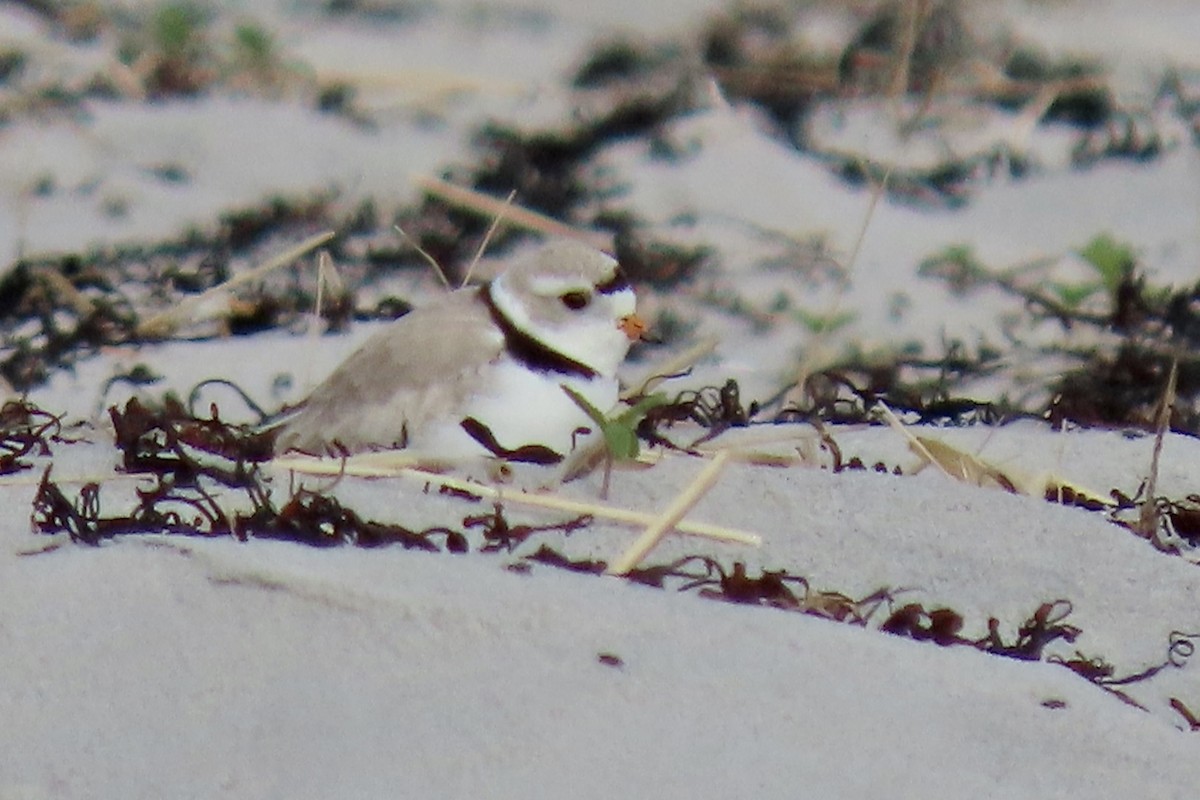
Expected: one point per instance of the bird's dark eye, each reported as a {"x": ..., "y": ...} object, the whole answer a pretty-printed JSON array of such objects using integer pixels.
[{"x": 575, "y": 300}]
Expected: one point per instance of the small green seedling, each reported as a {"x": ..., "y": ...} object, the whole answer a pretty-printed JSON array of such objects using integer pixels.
[
  {"x": 958, "y": 266},
  {"x": 819, "y": 323},
  {"x": 1112, "y": 259},
  {"x": 177, "y": 30},
  {"x": 620, "y": 431},
  {"x": 1072, "y": 295},
  {"x": 254, "y": 46}
]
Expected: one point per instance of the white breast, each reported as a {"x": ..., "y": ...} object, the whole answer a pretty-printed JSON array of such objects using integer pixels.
[{"x": 520, "y": 407}]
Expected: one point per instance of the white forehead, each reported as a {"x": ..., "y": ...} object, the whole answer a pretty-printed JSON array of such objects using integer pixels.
[{"x": 624, "y": 302}]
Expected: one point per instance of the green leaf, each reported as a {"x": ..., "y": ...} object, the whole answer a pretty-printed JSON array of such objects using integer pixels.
[
  {"x": 620, "y": 432},
  {"x": 1072, "y": 295},
  {"x": 177, "y": 28},
  {"x": 958, "y": 266},
  {"x": 637, "y": 412},
  {"x": 254, "y": 43},
  {"x": 587, "y": 407},
  {"x": 824, "y": 322},
  {"x": 1112, "y": 259}
]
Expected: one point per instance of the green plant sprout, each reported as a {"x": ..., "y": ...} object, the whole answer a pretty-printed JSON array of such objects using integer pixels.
[
  {"x": 1072, "y": 295},
  {"x": 818, "y": 323},
  {"x": 620, "y": 431},
  {"x": 1113, "y": 260},
  {"x": 177, "y": 32}
]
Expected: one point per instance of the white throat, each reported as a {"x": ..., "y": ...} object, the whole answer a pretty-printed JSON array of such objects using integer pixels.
[{"x": 593, "y": 339}]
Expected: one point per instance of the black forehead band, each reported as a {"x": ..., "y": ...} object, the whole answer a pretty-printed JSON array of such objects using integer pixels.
[{"x": 614, "y": 284}]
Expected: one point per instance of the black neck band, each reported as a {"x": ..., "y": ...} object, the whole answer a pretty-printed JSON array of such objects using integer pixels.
[{"x": 528, "y": 350}]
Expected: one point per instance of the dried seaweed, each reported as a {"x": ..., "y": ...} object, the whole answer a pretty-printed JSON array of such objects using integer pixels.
[
  {"x": 318, "y": 520},
  {"x": 1139, "y": 331},
  {"x": 655, "y": 576},
  {"x": 1047, "y": 625},
  {"x": 1188, "y": 715},
  {"x": 754, "y": 54},
  {"x": 56, "y": 310},
  {"x": 193, "y": 465},
  {"x": 624, "y": 88},
  {"x": 1182, "y": 517},
  {"x": 1124, "y": 136},
  {"x": 187, "y": 462},
  {"x": 921, "y": 389},
  {"x": 163, "y": 440},
  {"x": 550, "y": 557},
  {"x": 1180, "y": 648},
  {"x": 716, "y": 409},
  {"x": 1122, "y": 389},
  {"x": 1083, "y": 100},
  {"x": 25, "y": 430},
  {"x": 942, "y": 626},
  {"x": 771, "y": 588},
  {"x": 500, "y": 535},
  {"x": 654, "y": 263},
  {"x": 51, "y": 314},
  {"x": 623, "y": 92}
]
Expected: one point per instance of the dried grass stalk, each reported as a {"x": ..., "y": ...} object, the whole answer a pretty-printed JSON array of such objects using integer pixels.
[
  {"x": 488, "y": 206},
  {"x": 670, "y": 518},
  {"x": 401, "y": 465},
  {"x": 185, "y": 312}
]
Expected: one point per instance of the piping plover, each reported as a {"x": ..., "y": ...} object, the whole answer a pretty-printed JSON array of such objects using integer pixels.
[{"x": 479, "y": 373}]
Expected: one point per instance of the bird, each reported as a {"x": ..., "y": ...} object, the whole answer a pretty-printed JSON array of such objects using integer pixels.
[{"x": 480, "y": 372}]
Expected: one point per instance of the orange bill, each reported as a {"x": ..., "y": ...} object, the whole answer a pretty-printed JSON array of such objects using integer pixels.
[{"x": 633, "y": 327}]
